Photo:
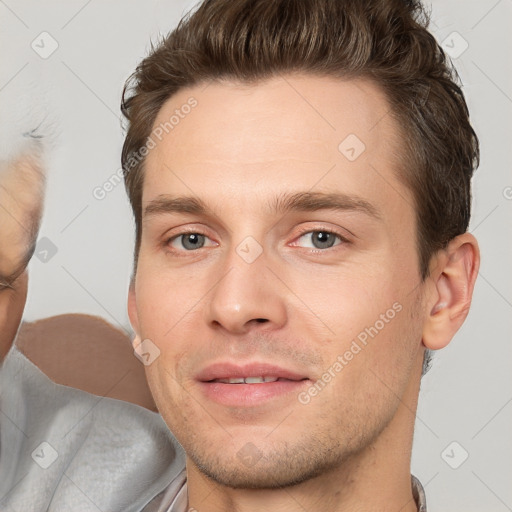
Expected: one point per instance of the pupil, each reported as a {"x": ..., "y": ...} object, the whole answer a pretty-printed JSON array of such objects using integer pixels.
[
  {"x": 323, "y": 240},
  {"x": 192, "y": 241}
]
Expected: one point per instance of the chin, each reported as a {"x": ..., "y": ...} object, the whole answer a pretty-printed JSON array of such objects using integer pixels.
[{"x": 273, "y": 471}]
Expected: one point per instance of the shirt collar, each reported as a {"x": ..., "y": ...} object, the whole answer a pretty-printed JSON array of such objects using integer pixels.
[
  {"x": 419, "y": 494},
  {"x": 179, "y": 503}
]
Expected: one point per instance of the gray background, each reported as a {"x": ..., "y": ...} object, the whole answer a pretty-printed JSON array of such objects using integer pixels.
[{"x": 466, "y": 398}]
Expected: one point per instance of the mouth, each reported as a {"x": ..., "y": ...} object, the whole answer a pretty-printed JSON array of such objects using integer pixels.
[
  {"x": 249, "y": 385},
  {"x": 250, "y": 380}
]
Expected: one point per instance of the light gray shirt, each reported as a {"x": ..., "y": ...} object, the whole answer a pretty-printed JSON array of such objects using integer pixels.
[{"x": 62, "y": 449}]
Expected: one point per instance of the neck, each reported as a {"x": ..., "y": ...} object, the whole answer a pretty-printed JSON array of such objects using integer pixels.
[{"x": 377, "y": 478}]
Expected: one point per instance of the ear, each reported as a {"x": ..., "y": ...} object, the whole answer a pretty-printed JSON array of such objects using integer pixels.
[
  {"x": 132, "y": 312},
  {"x": 452, "y": 281}
]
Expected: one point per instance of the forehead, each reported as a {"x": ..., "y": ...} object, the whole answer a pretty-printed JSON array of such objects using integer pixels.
[{"x": 225, "y": 141}]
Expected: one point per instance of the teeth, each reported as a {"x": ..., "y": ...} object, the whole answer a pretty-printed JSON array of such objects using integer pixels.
[
  {"x": 234, "y": 380},
  {"x": 247, "y": 380},
  {"x": 254, "y": 380}
]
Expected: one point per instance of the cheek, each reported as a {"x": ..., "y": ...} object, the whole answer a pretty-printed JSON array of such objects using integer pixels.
[
  {"x": 365, "y": 323},
  {"x": 163, "y": 308},
  {"x": 344, "y": 301},
  {"x": 389, "y": 344},
  {"x": 164, "y": 300},
  {"x": 12, "y": 303},
  {"x": 367, "y": 372},
  {"x": 163, "y": 375}
]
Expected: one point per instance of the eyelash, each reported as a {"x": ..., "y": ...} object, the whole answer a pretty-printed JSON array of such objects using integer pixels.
[
  {"x": 343, "y": 240},
  {"x": 304, "y": 231}
]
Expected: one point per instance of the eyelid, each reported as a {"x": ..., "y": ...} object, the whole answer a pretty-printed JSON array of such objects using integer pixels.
[
  {"x": 183, "y": 230},
  {"x": 168, "y": 239}
]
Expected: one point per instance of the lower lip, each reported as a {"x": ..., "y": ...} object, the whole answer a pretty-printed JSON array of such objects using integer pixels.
[{"x": 248, "y": 395}]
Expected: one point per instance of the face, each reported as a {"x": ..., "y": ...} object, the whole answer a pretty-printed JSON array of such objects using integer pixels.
[
  {"x": 278, "y": 281},
  {"x": 21, "y": 202},
  {"x": 12, "y": 304}
]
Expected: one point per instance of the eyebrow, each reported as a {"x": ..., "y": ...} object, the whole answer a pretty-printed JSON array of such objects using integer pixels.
[{"x": 280, "y": 204}]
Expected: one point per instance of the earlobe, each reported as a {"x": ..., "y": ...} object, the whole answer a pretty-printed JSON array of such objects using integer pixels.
[{"x": 453, "y": 282}]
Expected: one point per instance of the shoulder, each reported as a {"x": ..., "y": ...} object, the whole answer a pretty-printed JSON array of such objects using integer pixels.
[
  {"x": 87, "y": 353},
  {"x": 122, "y": 455}
]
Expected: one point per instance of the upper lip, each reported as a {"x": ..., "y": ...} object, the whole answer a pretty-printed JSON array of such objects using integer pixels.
[{"x": 226, "y": 370}]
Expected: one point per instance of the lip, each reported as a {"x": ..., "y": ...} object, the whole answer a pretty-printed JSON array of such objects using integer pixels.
[
  {"x": 225, "y": 370},
  {"x": 249, "y": 395}
]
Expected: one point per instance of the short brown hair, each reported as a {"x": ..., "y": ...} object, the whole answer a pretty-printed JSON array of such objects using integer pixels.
[{"x": 385, "y": 41}]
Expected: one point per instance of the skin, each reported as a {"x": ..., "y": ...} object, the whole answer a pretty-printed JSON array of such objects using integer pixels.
[
  {"x": 296, "y": 305},
  {"x": 21, "y": 202},
  {"x": 12, "y": 303}
]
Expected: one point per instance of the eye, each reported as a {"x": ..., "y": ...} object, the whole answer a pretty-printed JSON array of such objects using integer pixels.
[
  {"x": 190, "y": 241},
  {"x": 320, "y": 239}
]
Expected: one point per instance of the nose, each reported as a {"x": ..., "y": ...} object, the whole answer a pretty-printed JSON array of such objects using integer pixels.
[{"x": 247, "y": 297}]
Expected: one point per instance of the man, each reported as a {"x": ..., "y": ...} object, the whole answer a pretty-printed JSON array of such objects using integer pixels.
[
  {"x": 300, "y": 176},
  {"x": 21, "y": 201},
  {"x": 62, "y": 447}
]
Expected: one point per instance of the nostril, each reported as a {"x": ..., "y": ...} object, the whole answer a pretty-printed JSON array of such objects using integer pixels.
[{"x": 261, "y": 320}]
